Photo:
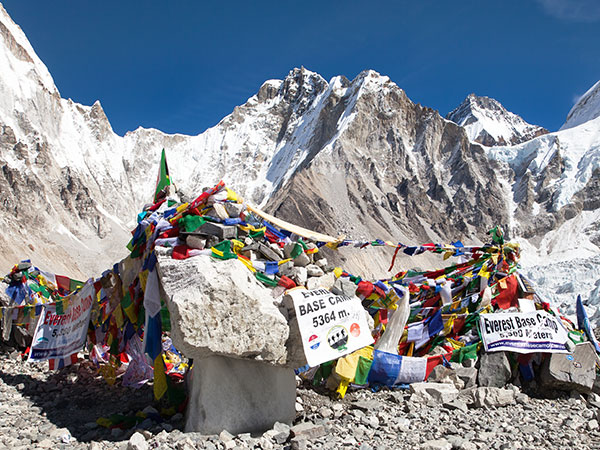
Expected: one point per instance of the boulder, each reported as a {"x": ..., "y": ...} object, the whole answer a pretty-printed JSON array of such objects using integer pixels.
[
  {"x": 441, "y": 392},
  {"x": 299, "y": 275},
  {"x": 239, "y": 395},
  {"x": 325, "y": 281},
  {"x": 234, "y": 209},
  {"x": 442, "y": 374},
  {"x": 494, "y": 370},
  {"x": 468, "y": 375},
  {"x": 137, "y": 442},
  {"x": 492, "y": 396},
  {"x": 219, "y": 230},
  {"x": 314, "y": 271},
  {"x": 436, "y": 444},
  {"x": 302, "y": 260},
  {"x": 219, "y": 308},
  {"x": 571, "y": 371},
  {"x": 344, "y": 286}
]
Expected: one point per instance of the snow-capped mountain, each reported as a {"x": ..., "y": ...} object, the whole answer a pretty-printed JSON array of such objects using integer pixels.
[
  {"x": 487, "y": 122},
  {"x": 73, "y": 184},
  {"x": 352, "y": 157},
  {"x": 587, "y": 108},
  {"x": 554, "y": 191}
]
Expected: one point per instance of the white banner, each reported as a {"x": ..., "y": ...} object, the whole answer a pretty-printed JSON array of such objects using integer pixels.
[
  {"x": 331, "y": 325},
  {"x": 61, "y": 335},
  {"x": 531, "y": 332}
]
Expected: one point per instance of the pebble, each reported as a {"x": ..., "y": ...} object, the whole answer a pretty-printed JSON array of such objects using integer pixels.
[{"x": 31, "y": 417}]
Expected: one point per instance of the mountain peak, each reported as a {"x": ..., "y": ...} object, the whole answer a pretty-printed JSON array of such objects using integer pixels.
[
  {"x": 487, "y": 122},
  {"x": 17, "y": 50},
  {"x": 587, "y": 108}
]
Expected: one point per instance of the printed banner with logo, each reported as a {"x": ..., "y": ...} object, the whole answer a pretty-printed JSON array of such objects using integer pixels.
[
  {"x": 531, "y": 332},
  {"x": 61, "y": 335},
  {"x": 330, "y": 325}
]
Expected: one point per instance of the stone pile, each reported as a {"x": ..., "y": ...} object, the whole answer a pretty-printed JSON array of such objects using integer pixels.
[
  {"x": 301, "y": 263},
  {"x": 243, "y": 349}
]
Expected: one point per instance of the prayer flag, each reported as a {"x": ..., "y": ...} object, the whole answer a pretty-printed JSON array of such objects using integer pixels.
[{"x": 162, "y": 181}]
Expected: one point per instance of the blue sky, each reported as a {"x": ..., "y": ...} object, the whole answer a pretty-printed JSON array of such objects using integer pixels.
[{"x": 181, "y": 66}]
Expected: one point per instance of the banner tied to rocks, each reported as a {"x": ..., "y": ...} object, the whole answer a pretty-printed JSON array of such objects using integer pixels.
[
  {"x": 531, "y": 332},
  {"x": 331, "y": 325},
  {"x": 59, "y": 334}
]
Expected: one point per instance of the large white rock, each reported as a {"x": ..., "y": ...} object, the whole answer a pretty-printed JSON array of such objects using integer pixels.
[
  {"x": 238, "y": 395},
  {"x": 219, "y": 308}
]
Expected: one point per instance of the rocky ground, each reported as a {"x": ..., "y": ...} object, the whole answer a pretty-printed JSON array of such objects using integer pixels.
[{"x": 47, "y": 409}]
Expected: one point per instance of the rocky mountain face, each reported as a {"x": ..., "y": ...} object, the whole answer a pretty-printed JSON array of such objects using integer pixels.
[
  {"x": 380, "y": 165},
  {"x": 487, "y": 122},
  {"x": 357, "y": 158}
]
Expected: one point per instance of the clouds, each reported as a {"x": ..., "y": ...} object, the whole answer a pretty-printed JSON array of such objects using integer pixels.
[{"x": 572, "y": 10}]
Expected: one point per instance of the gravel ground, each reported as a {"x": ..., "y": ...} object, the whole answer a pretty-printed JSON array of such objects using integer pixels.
[{"x": 48, "y": 409}]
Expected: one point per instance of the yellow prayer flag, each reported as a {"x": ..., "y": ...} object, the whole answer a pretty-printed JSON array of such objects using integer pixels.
[
  {"x": 216, "y": 251},
  {"x": 118, "y": 312},
  {"x": 232, "y": 195},
  {"x": 160, "y": 378},
  {"x": 143, "y": 276},
  {"x": 247, "y": 263},
  {"x": 237, "y": 246},
  {"x": 455, "y": 344},
  {"x": 182, "y": 207},
  {"x": 342, "y": 388},
  {"x": 448, "y": 324}
]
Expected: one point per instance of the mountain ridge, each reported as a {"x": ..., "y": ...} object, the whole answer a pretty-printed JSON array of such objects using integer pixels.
[
  {"x": 354, "y": 157},
  {"x": 488, "y": 123}
]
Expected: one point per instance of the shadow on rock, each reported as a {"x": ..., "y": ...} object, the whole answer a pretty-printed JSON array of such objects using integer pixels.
[{"x": 75, "y": 397}]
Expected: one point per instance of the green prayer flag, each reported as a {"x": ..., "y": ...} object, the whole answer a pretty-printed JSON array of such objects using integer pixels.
[
  {"x": 165, "y": 319},
  {"x": 256, "y": 234},
  {"x": 163, "y": 181},
  {"x": 497, "y": 235},
  {"x": 323, "y": 372},
  {"x": 467, "y": 352},
  {"x": 296, "y": 251},
  {"x": 225, "y": 248},
  {"x": 265, "y": 279},
  {"x": 191, "y": 223},
  {"x": 59, "y": 307},
  {"x": 362, "y": 370},
  {"x": 74, "y": 284}
]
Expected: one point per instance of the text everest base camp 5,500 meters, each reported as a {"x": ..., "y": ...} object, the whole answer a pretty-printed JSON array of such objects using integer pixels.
[{"x": 354, "y": 157}]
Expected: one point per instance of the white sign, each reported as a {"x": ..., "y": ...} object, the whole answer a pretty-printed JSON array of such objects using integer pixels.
[
  {"x": 531, "y": 332},
  {"x": 61, "y": 335},
  {"x": 330, "y": 325}
]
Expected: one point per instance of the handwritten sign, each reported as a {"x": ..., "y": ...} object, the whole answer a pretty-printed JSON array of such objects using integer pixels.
[{"x": 331, "y": 325}]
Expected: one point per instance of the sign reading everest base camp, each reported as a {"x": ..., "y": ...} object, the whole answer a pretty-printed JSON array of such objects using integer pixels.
[
  {"x": 523, "y": 332},
  {"x": 61, "y": 335},
  {"x": 330, "y": 325}
]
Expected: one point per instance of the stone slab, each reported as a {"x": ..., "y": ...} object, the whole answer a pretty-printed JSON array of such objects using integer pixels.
[
  {"x": 494, "y": 370},
  {"x": 240, "y": 396},
  {"x": 573, "y": 371},
  {"x": 219, "y": 230}
]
